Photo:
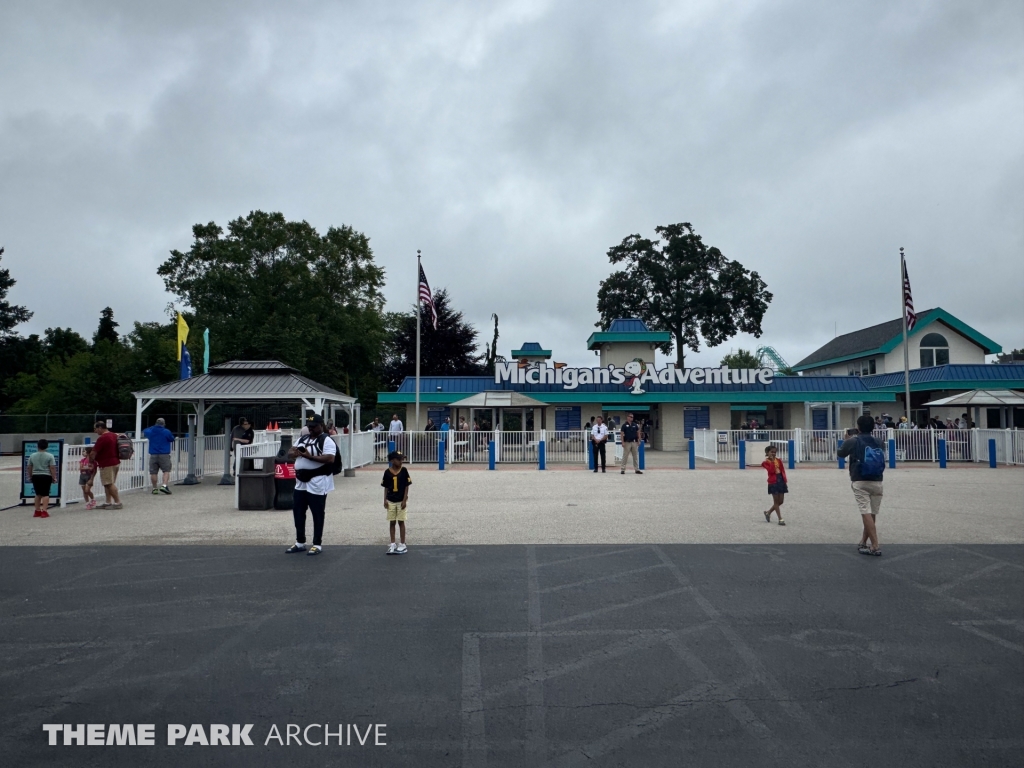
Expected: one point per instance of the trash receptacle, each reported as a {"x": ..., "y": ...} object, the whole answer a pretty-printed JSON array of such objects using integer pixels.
[
  {"x": 256, "y": 484},
  {"x": 284, "y": 475}
]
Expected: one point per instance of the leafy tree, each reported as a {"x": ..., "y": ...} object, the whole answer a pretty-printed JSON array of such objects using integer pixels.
[
  {"x": 11, "y": 315},
  {"x": 448, "y": 351},
  {"x": 275, "y": 289},
  {"x": 107, "y": 330},
  {"x": 741, "y": 358},
  {"x": 82, "y": 379},
  {"x": 678, "y": 284},
  {"x": 62, "y": 344}
]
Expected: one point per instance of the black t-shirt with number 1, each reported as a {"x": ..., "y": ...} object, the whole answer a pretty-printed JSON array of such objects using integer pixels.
[{"x": 395, "y": 485}]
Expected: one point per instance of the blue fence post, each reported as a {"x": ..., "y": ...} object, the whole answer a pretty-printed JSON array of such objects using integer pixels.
[
  {"x": 942, "y": 453},
  {"x": 842, "y": 461},
  {"x": 892, "y": 453},
  {"x": 693, "y": 456},
  {"x": 590, "y": 454},
  {"x": 743, "y": 454},
  {"x": 643, "y": 464},
  {"x": 992, "y": 453},
  {"x": 490, "y": 454},
  {"x": 542, "y": 462},
  {"x": 440, "y": 455},
  {"x": 791, "y": 450},
  {"x": 391, "y": 446}
]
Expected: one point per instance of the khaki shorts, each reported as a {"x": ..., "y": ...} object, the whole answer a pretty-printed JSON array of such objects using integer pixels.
[
  {"x": 108, "y": 475},
  {"x": 395, "y": 512},
  {"x": 868, "y": 494},
  {"x": 158, "y": 461}
]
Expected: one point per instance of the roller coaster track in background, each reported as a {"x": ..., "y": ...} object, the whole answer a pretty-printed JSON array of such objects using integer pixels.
[{"x": 768, "y": 358}]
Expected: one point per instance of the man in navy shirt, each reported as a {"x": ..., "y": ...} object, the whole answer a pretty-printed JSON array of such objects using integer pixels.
[
  {"x": 630, "y": 444},
  {"x": 160, "y": 441}
]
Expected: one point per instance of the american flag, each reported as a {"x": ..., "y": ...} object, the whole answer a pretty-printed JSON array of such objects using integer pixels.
[
  {"x": 908, "y": 300},
  {"x": 426, "y": 297}
]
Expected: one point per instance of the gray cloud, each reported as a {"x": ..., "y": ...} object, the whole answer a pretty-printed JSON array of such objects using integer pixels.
[{"x": 515, "y": 143}]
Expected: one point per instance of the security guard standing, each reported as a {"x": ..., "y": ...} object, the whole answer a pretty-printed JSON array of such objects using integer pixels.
[{"x": 630, "y": 444}]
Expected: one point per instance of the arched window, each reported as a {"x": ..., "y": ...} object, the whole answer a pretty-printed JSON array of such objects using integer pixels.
[{"x": 934, "y": 350}]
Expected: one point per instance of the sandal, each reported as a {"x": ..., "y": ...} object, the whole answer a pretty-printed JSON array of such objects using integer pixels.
[
  {"x": 768, "y": 516},
  {"x": 872, "y": 552},
  {"x": 782, "y": 522},
  {"x": 863, "y": 548}
]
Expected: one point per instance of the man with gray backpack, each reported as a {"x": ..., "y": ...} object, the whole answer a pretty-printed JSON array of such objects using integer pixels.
[{"x": 867, "y": 464}]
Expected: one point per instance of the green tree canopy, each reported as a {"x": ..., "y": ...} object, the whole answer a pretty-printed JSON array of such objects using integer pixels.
[
  {"x": 741, "y": 358},
  {"x": 75, "y": 377},
  {"x": 678, "y": 284},
  {"x": 451, "y": 350},
  {"x": 11, "y": 315},
  {"x": 107, "y": 329},
  {"x": 269, "y": 288}
]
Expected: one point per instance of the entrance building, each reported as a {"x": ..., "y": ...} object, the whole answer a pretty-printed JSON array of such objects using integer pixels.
[{"x": 675, "y": 401}]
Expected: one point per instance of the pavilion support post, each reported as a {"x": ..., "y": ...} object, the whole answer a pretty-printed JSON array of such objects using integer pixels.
[
  {"x": 226, "y": 478},
  {"x": 138, "y": 418},
  {"x": 200, "y": 437},
  {"x": 350, "y": 470}
]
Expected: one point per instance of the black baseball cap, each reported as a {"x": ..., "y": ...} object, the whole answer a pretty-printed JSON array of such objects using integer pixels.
[
  {"x": 395, "y": 455},
  {"x": 316, "y": 418}
]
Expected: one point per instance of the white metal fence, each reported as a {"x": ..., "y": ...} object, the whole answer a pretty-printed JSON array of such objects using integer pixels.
[
  {"x": 472, "y": 447},
  {"x": 821, "y": 446},
  {"x": 133, "y": 474}
]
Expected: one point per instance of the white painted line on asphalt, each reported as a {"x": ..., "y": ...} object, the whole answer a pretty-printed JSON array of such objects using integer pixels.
[
  {"x": 1007, "y": 563},
  {"x": 157, "y": 580},
  {"x": 608, "y": 577},
  {"x": 635, "y": 641},
  {"x": 97, "y": 611},
  {"x": 590, "y": 557},
  {"x": 974, "y": 630},
  {"x": 536, "y": 739},
  {"x": 474, "y": 738},
  {"x": 970, "y": 577},
  {"x": 651, "y": 720},
  {"x": 743, "y": 714},
  {"x": 616, "y": 607},
  {"x": 782, "y": 697}
]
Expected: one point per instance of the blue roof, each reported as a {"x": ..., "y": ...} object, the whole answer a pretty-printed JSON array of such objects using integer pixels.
[
  {"x": 628, "y": 325},
  {"x": 951, "y": 375},
  {"x": 938, "y": 378},
  {"x": 530, "y": 345}
]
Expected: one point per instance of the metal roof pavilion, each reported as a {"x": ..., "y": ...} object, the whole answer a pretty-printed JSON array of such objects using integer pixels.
[{"x": 242, "y": 380}]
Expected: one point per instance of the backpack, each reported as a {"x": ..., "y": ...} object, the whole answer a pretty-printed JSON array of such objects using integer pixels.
[
  {"x": 336, "y": 466},
  {"x": 125, "y": 447},
  {"x": 871, "y": 459}
]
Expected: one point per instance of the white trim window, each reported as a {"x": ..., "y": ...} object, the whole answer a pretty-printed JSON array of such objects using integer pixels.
[{"x": 934, "y": 350}]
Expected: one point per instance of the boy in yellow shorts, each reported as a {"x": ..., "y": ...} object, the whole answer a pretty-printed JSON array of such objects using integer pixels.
[{"x": 396, "y": 484}]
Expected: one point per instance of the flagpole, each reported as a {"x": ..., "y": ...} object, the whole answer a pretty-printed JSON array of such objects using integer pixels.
[
  {"x": 906, "y": 347},
  {"x": 418, "y": 313}
]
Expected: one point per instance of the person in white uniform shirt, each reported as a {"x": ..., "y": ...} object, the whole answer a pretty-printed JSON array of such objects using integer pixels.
[
  {"x": 599, "y": 437},
  {"x": 314, "y": 478}
]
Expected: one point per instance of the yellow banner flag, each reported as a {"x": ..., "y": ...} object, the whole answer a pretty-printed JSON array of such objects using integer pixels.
[{"x": 182, "y": 333}]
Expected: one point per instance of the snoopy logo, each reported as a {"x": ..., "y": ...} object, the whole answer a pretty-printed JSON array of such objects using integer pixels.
[{"x": 635, "y": 368}]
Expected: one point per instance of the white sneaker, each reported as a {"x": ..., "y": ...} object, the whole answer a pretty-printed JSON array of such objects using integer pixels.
[
  {"x": 402, "y": 549},
  {"x": 391, "y": 548}
]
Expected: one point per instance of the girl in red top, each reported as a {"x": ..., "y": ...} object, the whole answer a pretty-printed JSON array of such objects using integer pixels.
[{"x": 777, "y": 488}]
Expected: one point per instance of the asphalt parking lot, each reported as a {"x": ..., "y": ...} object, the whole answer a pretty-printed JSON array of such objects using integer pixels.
[{"x": 509, "y": 655}]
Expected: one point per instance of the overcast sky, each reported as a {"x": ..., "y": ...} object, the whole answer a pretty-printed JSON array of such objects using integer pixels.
[{"x": 514, "y": 143}]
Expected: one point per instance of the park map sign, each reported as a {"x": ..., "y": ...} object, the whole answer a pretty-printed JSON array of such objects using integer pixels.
[{"x": 633, "y": 375}]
